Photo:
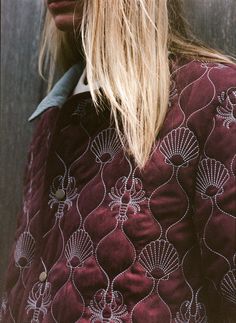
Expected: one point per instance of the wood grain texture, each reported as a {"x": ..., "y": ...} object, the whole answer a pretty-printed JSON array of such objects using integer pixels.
[
  {"x": 214, "y": 21},
  {"x": 20, "y": 93},
  {"x": 22, "y": 89}
]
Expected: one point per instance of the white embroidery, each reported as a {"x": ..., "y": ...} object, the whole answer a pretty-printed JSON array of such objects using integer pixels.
[
  {"x": 233, "y": 166},
  {"x": 211, "y": 177},
  {"x": 159, "y": 258},
  {"x": 191, "y": 311},
  {"x": 78, "y": 248},
  {"x": 209, "y": 65},
  {"x": 39, "y": 300},
  {"x": 228, "y": 283},
  {"x": 25, "y": 245},
  {"x": 24, "y": 251},
  {"x": 227, "y": 109},
  {"x": 66, "y": 184},
  {"x": 81, "y": 107},
  {"x": 106, "y": 145},
  {"x": 173, "y": 92},
  {"x": 179, "y": 147},
  {"x": 3, "y": 307},
  {"x": 127, "y": 195},
  {"x": 107, "y": 307}
]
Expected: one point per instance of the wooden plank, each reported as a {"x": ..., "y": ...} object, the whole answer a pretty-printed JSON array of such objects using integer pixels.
[
  {"x": 214, "y": 21},
  {"x": 20, "y": 93}
]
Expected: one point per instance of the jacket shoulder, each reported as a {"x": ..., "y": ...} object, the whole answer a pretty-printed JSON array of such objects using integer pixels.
[
  {"x": 199, "y": 84},
  {"x": 190, "y": 73}
]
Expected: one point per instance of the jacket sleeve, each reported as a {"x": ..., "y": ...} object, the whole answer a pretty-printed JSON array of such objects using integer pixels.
[
  {"x": 11, "y": 273},
  {"x": 215, "y": 204}
]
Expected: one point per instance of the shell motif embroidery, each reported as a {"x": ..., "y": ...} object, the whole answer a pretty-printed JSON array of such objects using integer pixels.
[
  {"x": 24, "y": 251},
  {"x": 106, "y": 145},
  {"x": 228, "y": 284},
  {"x": 78, "y": 248},
  {"x": 211, "y": 177},
  {"x": 179, "y": 147},
  {"x": 160, "y": 259}
]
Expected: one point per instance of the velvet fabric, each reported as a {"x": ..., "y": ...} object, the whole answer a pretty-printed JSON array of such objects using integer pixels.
[{"x": 98, "y": 240}]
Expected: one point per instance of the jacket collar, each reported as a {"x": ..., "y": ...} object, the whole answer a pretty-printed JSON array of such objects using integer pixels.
[{"x": 60, "y": 91}]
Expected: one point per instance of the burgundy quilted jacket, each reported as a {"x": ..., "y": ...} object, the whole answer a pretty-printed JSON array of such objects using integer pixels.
[{"x": 99, "y": 241}]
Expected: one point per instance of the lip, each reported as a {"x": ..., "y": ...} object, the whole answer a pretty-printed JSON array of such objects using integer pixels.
[{"x": 60, "y": 4}]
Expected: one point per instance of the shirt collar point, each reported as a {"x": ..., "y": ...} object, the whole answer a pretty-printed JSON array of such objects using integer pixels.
[{"x": 59, "y": 93}]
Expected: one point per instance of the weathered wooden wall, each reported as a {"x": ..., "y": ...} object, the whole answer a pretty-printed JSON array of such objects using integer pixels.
[
  {"x": 214, "y": 21},
  {"x": 21, "y": 89},
  {"x": 20, "y": 92}
]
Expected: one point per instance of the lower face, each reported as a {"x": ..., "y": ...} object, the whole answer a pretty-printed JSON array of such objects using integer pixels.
[{"x": 62, "y": 12}]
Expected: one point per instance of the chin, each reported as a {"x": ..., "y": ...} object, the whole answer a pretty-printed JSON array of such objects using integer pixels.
[{"x": 65, "y": 23}]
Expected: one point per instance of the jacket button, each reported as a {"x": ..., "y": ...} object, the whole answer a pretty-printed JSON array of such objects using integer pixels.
[
  {"x": 60, "y": 194},
  {"x": 42, "y": 276}
]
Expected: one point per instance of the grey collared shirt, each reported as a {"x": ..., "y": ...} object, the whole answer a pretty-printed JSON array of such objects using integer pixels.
[{"x": 60, "y": 91}]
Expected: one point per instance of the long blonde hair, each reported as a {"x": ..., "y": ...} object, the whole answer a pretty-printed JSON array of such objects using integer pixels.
[{"x": 125, "y": 44}]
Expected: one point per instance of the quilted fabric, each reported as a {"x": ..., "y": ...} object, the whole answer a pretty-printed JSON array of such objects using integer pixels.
[{"x": 99, "y": 241}]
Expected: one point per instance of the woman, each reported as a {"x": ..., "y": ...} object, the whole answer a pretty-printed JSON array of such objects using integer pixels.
[{"x": 129, "y": 191}]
